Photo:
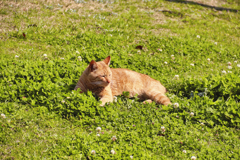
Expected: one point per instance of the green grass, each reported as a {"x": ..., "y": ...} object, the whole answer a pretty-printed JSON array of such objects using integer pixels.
[{"x": 46, "y": 119}]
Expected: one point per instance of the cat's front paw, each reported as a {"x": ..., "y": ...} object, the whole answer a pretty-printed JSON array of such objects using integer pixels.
[
  {"x": 147, "y": 101},
  {"x": 104, "y": 103}
]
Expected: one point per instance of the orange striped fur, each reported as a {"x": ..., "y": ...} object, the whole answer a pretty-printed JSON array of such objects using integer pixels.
[{"x": 106, "y": 82}]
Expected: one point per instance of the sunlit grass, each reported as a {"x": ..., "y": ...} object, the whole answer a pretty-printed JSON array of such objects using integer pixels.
[{"x": 190, "y": 49}]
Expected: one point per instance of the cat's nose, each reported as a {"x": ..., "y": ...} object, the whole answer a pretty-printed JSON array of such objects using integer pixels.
[{"x": 109, "y": 81}]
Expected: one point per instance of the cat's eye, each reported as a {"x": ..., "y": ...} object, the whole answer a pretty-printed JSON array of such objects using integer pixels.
[{"x": 103, "y": 75}]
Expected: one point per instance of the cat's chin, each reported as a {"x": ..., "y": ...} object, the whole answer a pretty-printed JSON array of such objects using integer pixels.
[{"x": 100, "y": 84}]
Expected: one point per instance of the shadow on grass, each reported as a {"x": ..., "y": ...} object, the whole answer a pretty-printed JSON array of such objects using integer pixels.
[{"x": 204, "y": 5}]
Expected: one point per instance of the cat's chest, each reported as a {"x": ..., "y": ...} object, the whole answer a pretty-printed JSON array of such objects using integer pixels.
[{"x": 101, "y": 91}]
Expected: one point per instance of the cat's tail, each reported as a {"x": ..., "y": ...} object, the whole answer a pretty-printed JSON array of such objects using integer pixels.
[{"x": 159, "y": 98}]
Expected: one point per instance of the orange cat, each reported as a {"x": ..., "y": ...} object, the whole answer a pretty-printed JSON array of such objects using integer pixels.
[{"x": 106, "y": 82}]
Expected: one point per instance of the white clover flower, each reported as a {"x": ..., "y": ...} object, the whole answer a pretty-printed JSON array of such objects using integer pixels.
[
  {"x": 98, "y": 135},
  {"x": 202, "y": 124},
  {"x": 215, "y": 43},
  {"x": 193, "y": 158},
  {"x": 160, "y": 50},
  {"x": 229, "y": 71},
  {"x": 163, "y": 129},
  {"x": 198, "y": 36},
  {"x": 3, "y": 115},
  {"x": 61, "y": 58},
  {"x": 235, "y": 61},
  {"x": 9, "y": 120},
  {"x": 77, "y": 52},
  {"x": 238, "y": 65},
  {"x": 224, "y": 72},
  {"x": 115, "y": 98},
  {"x": 44, "y": 55},
  {"x": 191, "y": 64},
  {"x": 184, "y": 151},
  {"x": 68, "y": 97},
  {"x": 191, "y": 114},
  {"x": 114, "y": 138},
  {"x": 16, "y": 56},
  {"x": 113, "y": 152},
  {"x": 208, "y": 60},
  {"x": 176, "y": 105},
  {"x": 131, "y": 157},
  {"x": 165, "y": 62},
  {"x": 99, "y": 129},
  {"x": 229, "y": 63},
  {"x": 172, "y": 55},
  {"x": 63, "y": 101},
  {"x": 176, "y": 77},
  {"x": 229, "y": 67},
  {"x": 79, "y": 58},
  {"x": 93, "y": 152},
  {"x": 177, "y": 116}
]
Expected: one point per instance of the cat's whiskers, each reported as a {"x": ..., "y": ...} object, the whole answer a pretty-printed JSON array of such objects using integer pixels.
[{"x": 97, "y": 82}]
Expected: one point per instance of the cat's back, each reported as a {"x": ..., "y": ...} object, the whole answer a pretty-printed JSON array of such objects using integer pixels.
[{"x": 128, "y": 80}]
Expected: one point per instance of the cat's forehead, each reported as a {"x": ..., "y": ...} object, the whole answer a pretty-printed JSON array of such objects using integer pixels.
[{"x": 103, "y": 67}]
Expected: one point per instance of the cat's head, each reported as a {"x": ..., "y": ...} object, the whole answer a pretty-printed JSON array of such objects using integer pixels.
[{"x": 100, "y": 73}]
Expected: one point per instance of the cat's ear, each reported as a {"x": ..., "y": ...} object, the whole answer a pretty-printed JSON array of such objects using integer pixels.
[
  {"x": 107, "y": 60},
  {"x": 93, "y": 65}
]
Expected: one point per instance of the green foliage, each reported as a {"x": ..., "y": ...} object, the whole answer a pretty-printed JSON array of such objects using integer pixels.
[{"x": 41, "y": 60}]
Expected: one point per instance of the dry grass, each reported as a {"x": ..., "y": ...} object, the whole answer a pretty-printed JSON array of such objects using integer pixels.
[
  {"x": 216, "y": 3},
  {"x": 23, "y": 8}
]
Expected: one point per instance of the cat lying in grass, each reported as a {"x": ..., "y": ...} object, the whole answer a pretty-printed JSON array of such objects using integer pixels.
[{"x": 106, "y": 82}]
